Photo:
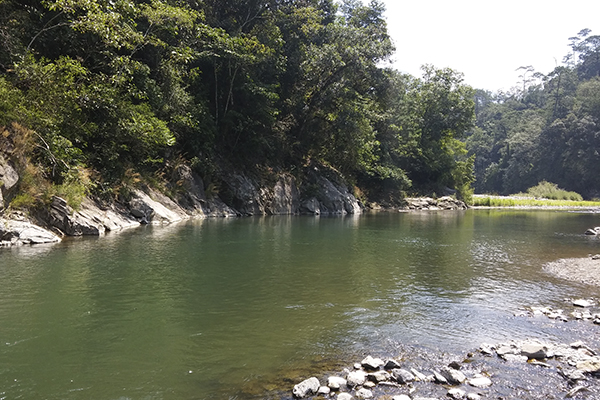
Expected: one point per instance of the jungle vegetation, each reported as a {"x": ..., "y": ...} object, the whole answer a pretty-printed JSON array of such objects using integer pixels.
[{"x": 98, "y": 94}]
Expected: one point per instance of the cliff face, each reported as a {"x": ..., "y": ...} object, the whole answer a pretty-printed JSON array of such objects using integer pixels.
[{"x": 322, "y": 191}]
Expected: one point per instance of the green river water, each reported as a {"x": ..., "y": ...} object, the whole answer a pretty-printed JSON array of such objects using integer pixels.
[{"x": 233, "y": 308}]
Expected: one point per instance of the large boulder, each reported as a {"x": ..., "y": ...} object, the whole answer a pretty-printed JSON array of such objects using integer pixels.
[
  {"x": 326, "y": 193},
  {"x": 306, "y": 388},
  {"x": 13, "y": 232},
  {"x": 69, "y": 222},
  {"x": 155, "y": 208}
]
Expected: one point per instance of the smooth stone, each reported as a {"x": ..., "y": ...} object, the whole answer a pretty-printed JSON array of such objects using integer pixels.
[
  {"x": 453, "y": 376},
  {"x": 534, "y": 350},
  {"x": 402, "y": 375},
  {"x": 306, "y": 388},
  {"x": 401, "y": 397},
  {"x": 591, "y": 365},
  {"x": 336, "y": 382},
  {"x": 480, "y": 382},
  {"x": 324, "y": 390},
  {"x": 364, "y": 394},
  {"x": 514, "y": 358},
  {"x": 345, "y": 396},
  {"x": 457, "y": 393},
  {"x": 378, "y": 376},
  {"x": 369, "y": 384},
  {"x": 356, "y": 378},
  {"x": 391, "y": 364},
  {"x": 439, "y": 378},
  {"x": 507, "y": 349},
  {"x": 582, "y": 303},
  {"x": 473, "y": 396},
  {"x": 418, "y": 375},
  {"x": 372, "y": 363}
]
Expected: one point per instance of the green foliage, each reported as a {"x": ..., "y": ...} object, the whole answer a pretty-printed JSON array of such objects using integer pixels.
[
  {"x": 548, "y": 131},
  {"x": 125, "y": 89},
  {"x": 548, "y": 190}
]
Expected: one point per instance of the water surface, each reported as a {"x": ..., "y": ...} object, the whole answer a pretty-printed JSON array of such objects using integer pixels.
[{"x": 231, "y": 308}]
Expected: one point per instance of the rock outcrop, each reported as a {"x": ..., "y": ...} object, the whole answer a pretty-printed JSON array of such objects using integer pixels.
[
  {"x": 322, "y": 192},
  {"x": 15, "y": 232},
  {"x": 8, "y": 181}
]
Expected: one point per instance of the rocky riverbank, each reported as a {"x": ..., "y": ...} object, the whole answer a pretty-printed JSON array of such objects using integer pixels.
[
  {"x": 584, "y": 270},
  {"x": 322, "y": 191},
  {"x": 571, "y": 370},
  {"x": 517, "y": 369}
]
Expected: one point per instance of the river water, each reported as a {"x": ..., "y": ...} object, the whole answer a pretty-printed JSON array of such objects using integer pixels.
[{"x": 235, "y": 308}]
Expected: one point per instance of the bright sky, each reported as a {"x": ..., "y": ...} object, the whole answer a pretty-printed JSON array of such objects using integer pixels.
[{"x": 487, "y": 40}]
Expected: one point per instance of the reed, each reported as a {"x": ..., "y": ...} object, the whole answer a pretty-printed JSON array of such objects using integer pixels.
[{"x": 497, "y": 201}]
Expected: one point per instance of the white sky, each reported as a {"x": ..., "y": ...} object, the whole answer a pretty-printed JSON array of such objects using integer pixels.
[{"x": 487, "y": 40}]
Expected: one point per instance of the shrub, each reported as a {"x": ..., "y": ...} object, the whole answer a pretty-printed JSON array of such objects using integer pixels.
[{"x": 549, "y": 190}]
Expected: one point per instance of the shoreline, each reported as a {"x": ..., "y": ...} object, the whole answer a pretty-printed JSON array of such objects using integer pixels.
[{"x": 583, "y": 270}]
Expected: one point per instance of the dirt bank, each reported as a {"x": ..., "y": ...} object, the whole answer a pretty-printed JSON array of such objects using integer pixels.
[{"x": 585, "y": 270}]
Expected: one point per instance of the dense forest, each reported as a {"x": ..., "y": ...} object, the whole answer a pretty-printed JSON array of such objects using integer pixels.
[
  {"x": 96, "y": 95},
  {"x": 546, "y": 130}
]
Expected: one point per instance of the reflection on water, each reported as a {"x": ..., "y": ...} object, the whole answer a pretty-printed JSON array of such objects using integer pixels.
[{"x": 206, "y": 309}]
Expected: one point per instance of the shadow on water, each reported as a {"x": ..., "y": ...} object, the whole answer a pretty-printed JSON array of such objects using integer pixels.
[{"x": 239, "y": 308}]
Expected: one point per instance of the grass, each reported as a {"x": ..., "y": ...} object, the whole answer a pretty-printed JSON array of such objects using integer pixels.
[{"x": 498, "y": 201}]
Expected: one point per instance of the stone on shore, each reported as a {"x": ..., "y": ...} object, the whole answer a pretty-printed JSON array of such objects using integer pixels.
[
  {"x": 14, "y": 232},
  {"x": 324, "y": 390},
  {"x": 356, "y": 378},
  {"x": 534, "y": 350},
  {"x": 306, "y": 388},
  {"x": 480, "y": 381},
  {"x": 591, "y": 365},
  {"x": 372, "y": 363},
  {"x": 402, "y": 376},
  {"x": 391, "y": 364},
  {"x": 379, "y": 376},
  {"x": 336, "y": 382},
  {"x": 453, "y": 376},
  {"x": 582, "y": 303},
  {"x": 363, "y": 394},
  {"x": 345, "y": 396},
  {"x": 457, "y": 393}
]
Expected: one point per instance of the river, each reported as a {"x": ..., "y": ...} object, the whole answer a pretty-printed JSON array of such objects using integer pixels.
[{"x": 236, "y": 308}]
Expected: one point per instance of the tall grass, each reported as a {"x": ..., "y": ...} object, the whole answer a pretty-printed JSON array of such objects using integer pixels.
[{"x": 493, "y": 201}]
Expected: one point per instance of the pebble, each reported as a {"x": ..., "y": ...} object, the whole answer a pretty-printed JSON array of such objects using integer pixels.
[
  {"x": 480, "y": 381},
  {"x": 457, "y": 393},
  {"x": 363, "y": 394}
]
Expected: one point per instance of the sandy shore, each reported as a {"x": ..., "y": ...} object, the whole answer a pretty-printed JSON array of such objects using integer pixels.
[{"x": 585, "y": 270}]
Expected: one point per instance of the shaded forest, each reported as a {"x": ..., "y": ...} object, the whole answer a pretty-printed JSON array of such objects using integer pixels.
[
  {"x": 96, "y": 95},
  {"x": 99, "y": 95}
]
